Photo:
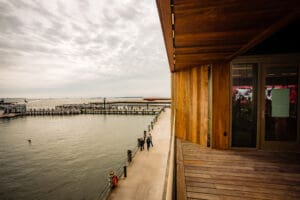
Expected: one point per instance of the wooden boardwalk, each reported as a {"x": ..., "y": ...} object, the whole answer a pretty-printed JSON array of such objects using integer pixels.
[{"x": 204, "y": 173}]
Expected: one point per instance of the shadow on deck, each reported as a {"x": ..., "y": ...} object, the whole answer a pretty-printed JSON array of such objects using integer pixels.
[{"x": 204, "y": 173}]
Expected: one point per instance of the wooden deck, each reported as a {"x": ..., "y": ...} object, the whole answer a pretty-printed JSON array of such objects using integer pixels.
[{"x": 204, "y": 173}]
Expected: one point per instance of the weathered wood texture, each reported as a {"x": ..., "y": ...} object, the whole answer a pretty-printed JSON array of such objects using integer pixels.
[
  {"x": 164, "y": 11},
  {"x": 220, "y": 106},
  {"x": 173, "y": 112},
  {"x": 233, "y": 174},
  {"x": 180, "y": 179},
  {"x": 207, "y": 32},
  {"x": 190, "y": 99}
]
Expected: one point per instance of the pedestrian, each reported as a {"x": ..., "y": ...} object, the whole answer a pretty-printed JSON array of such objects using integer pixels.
[
  {"x": 148, "y": 143},
  {"x": 145, "y": 134},
  {"x": 142, "y": 144},
  {"x": 150, "y": 136}
]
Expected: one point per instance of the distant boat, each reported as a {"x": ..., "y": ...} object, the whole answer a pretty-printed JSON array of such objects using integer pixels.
[{"x": 25, "y": 100}]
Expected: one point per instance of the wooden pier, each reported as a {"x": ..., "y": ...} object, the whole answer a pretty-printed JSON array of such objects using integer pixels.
[
  {"x": 110, "y": 108},
  {"x": 36, "y": 112},
  {"x": 102, "y": 108}
]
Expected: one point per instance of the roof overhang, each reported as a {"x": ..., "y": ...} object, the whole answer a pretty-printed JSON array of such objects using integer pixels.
[{"x": 198, "y": 32}]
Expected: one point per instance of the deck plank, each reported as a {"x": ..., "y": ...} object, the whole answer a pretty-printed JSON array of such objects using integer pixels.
[{"x": 238, "y": 174}]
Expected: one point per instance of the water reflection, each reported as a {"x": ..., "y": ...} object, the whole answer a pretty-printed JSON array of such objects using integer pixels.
[
  {"x": 281, "y": 119},
  {"x": 69, "y": 156}
]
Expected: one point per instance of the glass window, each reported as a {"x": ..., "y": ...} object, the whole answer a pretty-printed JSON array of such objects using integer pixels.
[
  {"x": 281, "y": 94},
  {"x": 244, "y": 105}
]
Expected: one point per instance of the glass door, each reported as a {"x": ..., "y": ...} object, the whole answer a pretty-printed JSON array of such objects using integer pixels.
[
  {"x": 280, "y": 110},
  {"x": 244, "y": 105}
]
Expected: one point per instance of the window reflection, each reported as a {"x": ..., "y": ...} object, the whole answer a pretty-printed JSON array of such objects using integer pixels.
[
  {"x": 277, "y": 127},
  {"x": 244, "y": 105}
]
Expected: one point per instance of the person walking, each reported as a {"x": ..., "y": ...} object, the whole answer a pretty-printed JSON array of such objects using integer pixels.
[
  {"x": 145, "y": 134},
  {"x": 141, "y": 142},
  {"x": 148, "y": 143},
  {"x": 150, "y": 136}
]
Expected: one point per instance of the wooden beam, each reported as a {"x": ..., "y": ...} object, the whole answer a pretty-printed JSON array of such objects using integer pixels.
[
  {"x": 164, "y": 11},
  {"x": 206, "y": 49},
  {"x": 185, "y": 66},
  {"x": 230, "y": 6},
  {"x": 267, "y": 32},
  {"x": 198, "y": 58},
  {"x": 191, "y": 23},
  {"x": 221, "y": 38}
]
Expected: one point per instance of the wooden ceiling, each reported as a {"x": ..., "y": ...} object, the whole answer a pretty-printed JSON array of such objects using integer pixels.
[{"x": 213, "y": 31}]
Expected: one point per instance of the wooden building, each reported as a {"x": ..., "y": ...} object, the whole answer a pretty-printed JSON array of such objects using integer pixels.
[{"x": 235, "y": 71}]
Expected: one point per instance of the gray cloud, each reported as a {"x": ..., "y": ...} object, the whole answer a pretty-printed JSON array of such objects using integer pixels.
[
  {"x": 10, "y": 24},
  {"x": 83, "y": 5},
  {"x": 5, "y": 8},
  {"x": 129, "y": 13},
  {"x": 93, "y": 46},
  {"x": 19, "y": 4}
]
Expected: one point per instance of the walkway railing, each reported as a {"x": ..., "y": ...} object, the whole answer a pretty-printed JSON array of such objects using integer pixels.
[{"x": 170, "y": 182}]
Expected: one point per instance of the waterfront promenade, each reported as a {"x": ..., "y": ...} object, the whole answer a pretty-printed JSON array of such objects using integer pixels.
[{"x": 146, "y": 174}]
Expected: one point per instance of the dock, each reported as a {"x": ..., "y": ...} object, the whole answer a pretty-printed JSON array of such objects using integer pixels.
[
  {"x": 146, "y": 174},
  {"x": 102, "y": 108},
  {"x": 37, "y": 112}
]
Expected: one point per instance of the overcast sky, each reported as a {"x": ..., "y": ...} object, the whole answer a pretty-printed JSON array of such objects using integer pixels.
[{"x": 81, "y": 48}]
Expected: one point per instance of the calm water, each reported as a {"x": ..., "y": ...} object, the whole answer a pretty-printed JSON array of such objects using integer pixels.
[{"x": 69, "y": 156}]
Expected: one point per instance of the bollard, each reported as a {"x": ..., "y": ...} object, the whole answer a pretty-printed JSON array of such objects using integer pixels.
[
  {"x": 125, "y": 171},
  {"x": 129, "y": 155},
  {"x": 138, "y": 142}
]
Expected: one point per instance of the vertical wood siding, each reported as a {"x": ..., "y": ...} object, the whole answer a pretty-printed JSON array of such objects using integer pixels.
[
  {"x": 220, "y": 105},
  {"x": 190, "y": 99}
]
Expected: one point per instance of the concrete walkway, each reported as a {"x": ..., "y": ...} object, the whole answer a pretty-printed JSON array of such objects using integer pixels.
[{"x": 146, "y": 174}]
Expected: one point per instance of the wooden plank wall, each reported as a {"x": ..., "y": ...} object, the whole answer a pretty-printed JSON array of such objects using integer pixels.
[
  {"x": 220, "y": 105},
  {"x": 190, "y": 99}
]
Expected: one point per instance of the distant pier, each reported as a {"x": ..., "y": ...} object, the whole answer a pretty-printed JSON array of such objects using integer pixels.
[
  {"x": 103, "y": 108},
  {"x": 35, "y": 112}
]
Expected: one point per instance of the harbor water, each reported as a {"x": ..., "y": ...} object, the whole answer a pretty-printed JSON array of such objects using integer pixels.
[{"x": 69, "y": 157}]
